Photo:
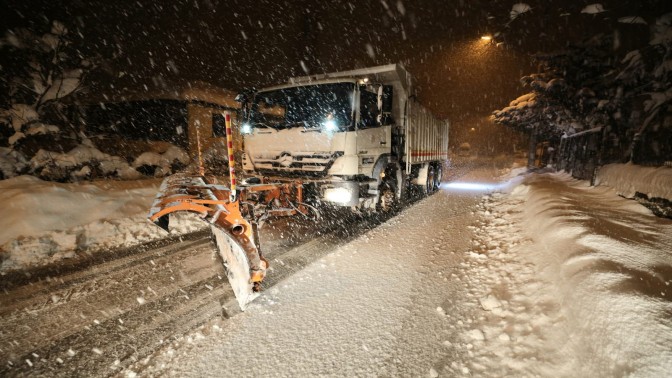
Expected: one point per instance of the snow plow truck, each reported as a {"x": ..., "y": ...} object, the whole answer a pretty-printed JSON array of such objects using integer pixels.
[{"x": 356, "y": 138}]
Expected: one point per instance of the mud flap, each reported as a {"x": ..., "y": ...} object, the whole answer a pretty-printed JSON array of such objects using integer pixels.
[{"x": 238, "y": 270}]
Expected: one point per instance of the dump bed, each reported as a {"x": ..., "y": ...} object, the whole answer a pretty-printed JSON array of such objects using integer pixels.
[{"x": 426, "y": 136}]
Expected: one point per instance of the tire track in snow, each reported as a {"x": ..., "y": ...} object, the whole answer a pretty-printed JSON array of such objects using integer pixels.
[{"x": 515, "y": 307}]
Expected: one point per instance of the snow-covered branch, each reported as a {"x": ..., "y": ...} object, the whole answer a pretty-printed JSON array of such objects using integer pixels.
[{"x": 45, "y": 70}]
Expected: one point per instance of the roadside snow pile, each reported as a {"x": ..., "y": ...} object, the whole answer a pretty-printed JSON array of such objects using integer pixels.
[
  {"x": 44, "y": 222},
  {"x": 86, "y": 162},
  {"x": 79, "y": 163},
  {"x": 572, "y": 280},
  {"x": 630, "y": 179},
  {"x": 160, "y": 165},
  {"x": 11, "y": 162}
]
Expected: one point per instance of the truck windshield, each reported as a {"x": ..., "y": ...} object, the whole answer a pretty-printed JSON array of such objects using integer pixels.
[{"x": 309, "y": 106}]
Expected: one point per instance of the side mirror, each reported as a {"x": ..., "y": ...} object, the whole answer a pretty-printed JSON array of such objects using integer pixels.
[
  {"x": 241, "y": 97},
  {"x": 244, "y": 101}
]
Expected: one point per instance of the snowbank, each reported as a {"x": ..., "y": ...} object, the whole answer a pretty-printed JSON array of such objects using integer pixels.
[
  {"x": 11, "y": 161},
  {"x": 629, "y": 179},
  {"x": 572, "y": 280},
  {"x": 85, "y": 161},
  {"x": 79, "y": 163},
  {"x": 44, "y": 222},
  {"x": 163, "y": 162}
]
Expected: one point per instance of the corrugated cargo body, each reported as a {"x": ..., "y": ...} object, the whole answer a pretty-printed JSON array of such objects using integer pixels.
[{"x": 426, "y": 136}]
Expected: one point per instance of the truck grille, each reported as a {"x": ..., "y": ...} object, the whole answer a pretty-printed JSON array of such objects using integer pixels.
[{"x": 298, "y": 162}]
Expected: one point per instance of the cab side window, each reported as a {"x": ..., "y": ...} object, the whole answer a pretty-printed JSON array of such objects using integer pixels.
[
  {"x": 218, "y": 125},
  {"x": 368, "y": 109}
]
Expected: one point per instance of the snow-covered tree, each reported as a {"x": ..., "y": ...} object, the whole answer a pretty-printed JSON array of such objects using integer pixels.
[
  {"x": 39, "y": 71},
  {"x": 570, "y": 93},
  {"x": 649, "y": 71},
  {"x": 588, "y": 85}
]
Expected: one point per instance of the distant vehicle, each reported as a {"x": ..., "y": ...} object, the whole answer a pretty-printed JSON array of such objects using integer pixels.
[{"x": 464, "y": 149}]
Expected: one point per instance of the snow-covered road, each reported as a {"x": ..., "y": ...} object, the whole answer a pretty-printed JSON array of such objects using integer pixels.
[
  {"x": 390, "y": 303},
  {"x": 541, "y": 275},
  {"x": 550, "y": 278}
]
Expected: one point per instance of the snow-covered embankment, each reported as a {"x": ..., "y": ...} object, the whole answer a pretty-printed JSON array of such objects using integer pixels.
[
  {"x": 573, "y": 280},
  {"x": 45, "y": 222},
  {"x": 630, "y": 179}
]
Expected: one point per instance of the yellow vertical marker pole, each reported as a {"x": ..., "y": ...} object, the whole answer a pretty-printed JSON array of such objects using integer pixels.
[
  {"x": 201, "y": 168},
  {"x": 232, "y": 162}
]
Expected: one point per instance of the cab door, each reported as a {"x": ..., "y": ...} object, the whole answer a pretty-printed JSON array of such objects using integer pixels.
[{"x": 373, "y": 140}]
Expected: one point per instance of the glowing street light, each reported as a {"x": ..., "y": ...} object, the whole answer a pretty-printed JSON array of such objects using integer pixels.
[{"x": 486, "y": 38}]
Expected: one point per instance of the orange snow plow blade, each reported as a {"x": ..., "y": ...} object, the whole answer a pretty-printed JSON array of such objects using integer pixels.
[{"x": 234, "y": 233}]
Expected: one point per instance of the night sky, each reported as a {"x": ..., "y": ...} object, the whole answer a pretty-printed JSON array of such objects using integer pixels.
[{"x": 239, "y": 44}]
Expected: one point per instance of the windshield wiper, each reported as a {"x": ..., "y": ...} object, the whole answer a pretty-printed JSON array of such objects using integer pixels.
[{"x": 291, "y": 125}]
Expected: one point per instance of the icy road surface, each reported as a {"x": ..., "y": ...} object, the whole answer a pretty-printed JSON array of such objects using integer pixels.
[{"x": 555, "y": 278}]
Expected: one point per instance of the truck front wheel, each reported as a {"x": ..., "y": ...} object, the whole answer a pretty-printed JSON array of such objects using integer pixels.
[{"x": 390, "y": 189}]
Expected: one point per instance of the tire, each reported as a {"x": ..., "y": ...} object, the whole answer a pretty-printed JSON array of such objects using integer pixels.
[
  {"x": 431, "y": 180},
  {"x": 387, "y": 200},
  {"x": 438, "y": 176},
  {"x": 390, "y": 189}
]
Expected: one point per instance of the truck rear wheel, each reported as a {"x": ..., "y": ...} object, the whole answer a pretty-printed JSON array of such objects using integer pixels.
[
  {"x": 438, "y": 176},
  {"x": 430, "y": 186}
]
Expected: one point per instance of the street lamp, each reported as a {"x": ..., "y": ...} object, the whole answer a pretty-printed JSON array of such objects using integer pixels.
[{"x": 486, "y": 38}]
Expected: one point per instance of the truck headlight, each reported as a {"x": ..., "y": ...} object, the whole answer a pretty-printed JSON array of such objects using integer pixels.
[
  {"x": 343, "y": 194},
  {"x": 338, "y": 195},
  {"x": 330, "y": 125},
  {"x": 246, "y": 128}
]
